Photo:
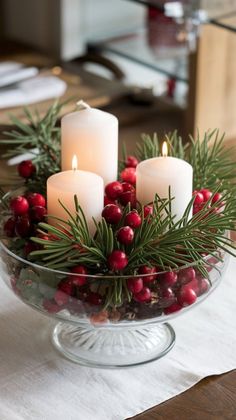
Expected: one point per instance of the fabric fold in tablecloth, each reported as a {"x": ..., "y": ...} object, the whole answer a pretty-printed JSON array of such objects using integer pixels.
[{"x": 37, "y": 384}]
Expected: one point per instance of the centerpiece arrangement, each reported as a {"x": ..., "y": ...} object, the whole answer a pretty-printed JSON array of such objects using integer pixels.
[{"x": 114, "y": 259}]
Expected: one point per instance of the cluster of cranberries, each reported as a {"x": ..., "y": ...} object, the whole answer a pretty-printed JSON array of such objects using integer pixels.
[
  {"x": 26, "y": 212},
  {"x": 202, "y": 197},
  {"x": 72, "y": 289}
]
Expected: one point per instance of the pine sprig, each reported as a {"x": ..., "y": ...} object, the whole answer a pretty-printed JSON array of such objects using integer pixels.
[{"x": 40, "y": 136}]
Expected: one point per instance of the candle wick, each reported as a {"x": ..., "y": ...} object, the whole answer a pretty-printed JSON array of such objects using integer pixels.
[{"x": 82, "y": 105}]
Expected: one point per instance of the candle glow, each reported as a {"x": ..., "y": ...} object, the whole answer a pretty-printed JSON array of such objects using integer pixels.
[
  {"x": 164, "y": 149},
  {"x": 74, "y": 163}
]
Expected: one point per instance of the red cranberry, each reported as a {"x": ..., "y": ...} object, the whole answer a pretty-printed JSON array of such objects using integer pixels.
[
  {"x": 131, "y": 162},
  {"x": 144, "y": 270},
  {"x": 186, "y": 296},
  {"x": 66, "y": 286},
  {"x": 29, "y": 247},
  {"x": 19, "y": 205},
  {"x": 167, "y": 293},
  {"x": 194, "y": 284},
  {"x": 125, "y": 235},
  {"x": 113, "y": 190},
  {"x": 82, "y": 278},
  {"x": 50, "y": 306},
  {"x": 26, "y": 169},
  {"x": 203, "y": 286},
  {"x": 129, "y": 175},
  {"x": 127, "y": 187},
  {"x": 9, "y": 227},
  {"x": 135, "y": 284},
  {"x": 108, "y": 201},
  {"x": 117, "y": 260},
  {"x": 112, "y": 214},
  {"x": 61, "y": 298},
  {"x": 133, "y": 219},
  {"x": 168, "y": 279},
  {"x": 186, "y": 275},
  {"x": 206, "y": 194},
  {"x": 143, "y": 296},
  {"x": 94, "y": 298},
  {"x": 128, "y": 197},
  {"x": 36, "y": 199},
  {"x": 37, "y": 213},
  {"x": 23, "y": 227},
  {"x": 199, "y": 198},
  {"x": 174, "y": 307},
  {"x": 216, "y": 197},
  {"x": 148, "y": 210}
]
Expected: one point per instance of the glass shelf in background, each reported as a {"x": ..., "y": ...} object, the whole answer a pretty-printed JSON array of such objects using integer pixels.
[{"x": 134, "y": 45}]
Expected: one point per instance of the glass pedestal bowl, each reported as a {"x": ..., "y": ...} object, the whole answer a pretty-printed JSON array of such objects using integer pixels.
[{"x": 89, "y": 333}]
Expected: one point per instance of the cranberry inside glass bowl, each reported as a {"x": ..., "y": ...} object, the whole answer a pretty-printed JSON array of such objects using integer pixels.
[{"x": 90, "y": 333}]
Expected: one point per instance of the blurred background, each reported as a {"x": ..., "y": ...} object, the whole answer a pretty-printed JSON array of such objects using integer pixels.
[{"x": 157, "y": 65}]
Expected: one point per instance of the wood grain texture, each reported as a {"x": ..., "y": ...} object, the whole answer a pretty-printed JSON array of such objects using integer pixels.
[
  {"x": 211, "y": 399},
  {"x": 212, "y": 90}
]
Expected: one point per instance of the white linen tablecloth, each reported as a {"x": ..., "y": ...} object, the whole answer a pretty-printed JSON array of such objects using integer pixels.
[{"x": 37, "y": 384}]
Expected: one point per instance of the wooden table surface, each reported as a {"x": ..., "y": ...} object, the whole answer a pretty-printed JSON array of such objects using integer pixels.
[{"x": 213, "y": 398}]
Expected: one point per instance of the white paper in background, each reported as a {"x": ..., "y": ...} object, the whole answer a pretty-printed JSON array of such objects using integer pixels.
[
  {"x": 36, "y": 89},
  {"x": 38, "y": 384}
]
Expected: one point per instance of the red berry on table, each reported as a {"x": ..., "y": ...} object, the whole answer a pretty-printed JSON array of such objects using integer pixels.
[
  {"x": 94, "y": 298},
  {"x": 26, "y": 169},
  {"x": 112, "y": 214},
  {"x": 135, "y": 284},
  {"x": 81, "y": 279},
  {"x": 199, "y": 198},
  {"x": 174, "y": 307},
  {"x": 151, "y": 271},
  {"x": 37, "y": 213},
  {"x": 117, "y": 260},
  {"x": 125, "y": 235},
  {"x": 127, "y": 187},
  {"x": 186, "y": 296},
  {"x": 129, "y": 175},
  {"x": 206, "y": 194},
  {"x": 23, "y": 227},
  {"x": 133, "y": 219},
  {"x": 131, "y": 162},
  {"x": 113, "y": 190},
  {"x": 148, "y": 210},
  {"x": 61, "y": 298},
  {"x": 128, "y": 197},
  {"x": 36, "y": 199},
  {"x": 9, "y": 227},
  {"x": 19, "y": 205},
  {"x": 203, "y": 286},
  {"x": 168, "y": 279},
  {"x": 186, "y": 275},
  {"x": 216, "y": 197},
  {"x": 144, "y": 295}
]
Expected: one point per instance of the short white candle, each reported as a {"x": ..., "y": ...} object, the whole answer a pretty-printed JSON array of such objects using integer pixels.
[
  {"x": 87, "y": 186},
  {"x": 92, "y": 135},
  {"x": 156, "y": 175}
]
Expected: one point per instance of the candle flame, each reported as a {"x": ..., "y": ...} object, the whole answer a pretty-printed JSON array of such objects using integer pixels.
[
  {"x": 164, "y": 149},
  {"x": 74, "y": 163}
]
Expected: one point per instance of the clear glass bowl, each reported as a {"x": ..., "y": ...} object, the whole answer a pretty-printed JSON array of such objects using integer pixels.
[{"x": 89, "y": 334}]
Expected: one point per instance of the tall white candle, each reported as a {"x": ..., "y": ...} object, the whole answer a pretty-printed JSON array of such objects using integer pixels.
[
  {"x": 92, "y": 135},
  {"x": 87, "y": 186},
  {"x": 156, "y": 175}
]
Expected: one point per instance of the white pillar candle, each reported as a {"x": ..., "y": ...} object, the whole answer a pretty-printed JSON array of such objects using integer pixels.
[
  {"x": 156, "y": 175},
  {"x": 92, "y": 135},
  {"x": 87, "y": 186}
]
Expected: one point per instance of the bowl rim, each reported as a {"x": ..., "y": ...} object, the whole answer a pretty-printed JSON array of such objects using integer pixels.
[{"x": 92, "y": 276}]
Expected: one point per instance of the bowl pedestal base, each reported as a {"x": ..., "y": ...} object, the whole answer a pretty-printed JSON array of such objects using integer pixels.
[{"x": 113, "y": 347}]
